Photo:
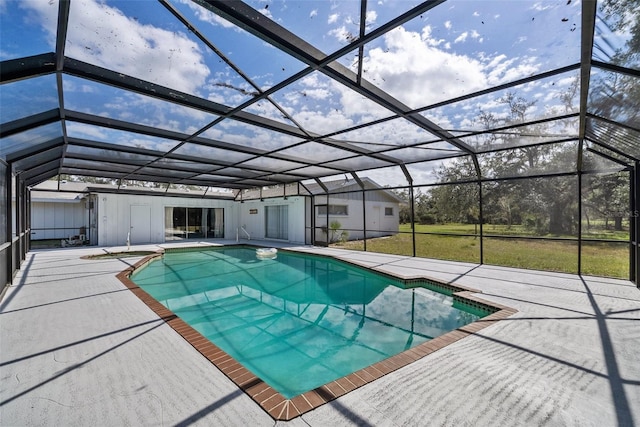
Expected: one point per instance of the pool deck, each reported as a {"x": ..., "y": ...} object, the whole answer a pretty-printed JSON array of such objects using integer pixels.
[{"x": 77, "y": 348}]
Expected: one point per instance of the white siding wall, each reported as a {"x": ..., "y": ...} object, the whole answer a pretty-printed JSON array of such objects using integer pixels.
[
  {"x": 114, "y": 215},
  {"x": 255, "y": 223},
  {"x": 57, "y": 220},
  {"x": 378, "y": 224}
]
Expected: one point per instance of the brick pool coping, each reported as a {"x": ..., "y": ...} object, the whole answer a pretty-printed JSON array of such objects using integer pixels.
[{"x": 278, "y": 406}]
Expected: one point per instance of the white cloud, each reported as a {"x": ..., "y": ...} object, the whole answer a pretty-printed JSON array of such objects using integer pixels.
[
  {"x": 85, "y": 131},
  {"x": 317, "y": 119},
  {"x": 46, "y": 16},
  {"x": 461, "y": 38},
  {"x": 317, "y": 93},
  {"x": 500, "y": 69},
  {"x": 123, "y": 44},
  {"x": 313, "y": 13},
  {"x": 207, "y": 16},
  {"x": 476, "y": 13},
  {"x": 447, "y": 25},
  {"x": 314, "y": 88},
  {"x": 371, "y": 17},
  {"x": 427, "y": 37},
  {"x": 414, "y": 70},
  {"x": 353, "y": 104},
  {"x": 333, "y": 18},
  {"x": 342, "y": 34},
  {"x": 320, "y": 104},
  {"x": 541, "y": 6},
  {"x": 266, "y": 12},
  {"x": 71, "y": 86}
]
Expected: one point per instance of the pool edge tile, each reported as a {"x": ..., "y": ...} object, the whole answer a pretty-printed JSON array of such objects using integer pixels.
[{"x": 275, "y": 404}]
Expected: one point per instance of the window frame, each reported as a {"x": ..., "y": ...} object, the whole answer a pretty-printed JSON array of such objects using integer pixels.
[{"x": 332, "y": 210}]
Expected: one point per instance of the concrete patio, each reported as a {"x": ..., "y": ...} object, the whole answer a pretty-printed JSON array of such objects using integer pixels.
[{"x": 79, "y": 349}]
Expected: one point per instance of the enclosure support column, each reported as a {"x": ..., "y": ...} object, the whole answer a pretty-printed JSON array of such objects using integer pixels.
[
  {"x": 8, "y": 211},
  {"x": 313, "y": 219},
  {"x": 412, "y": 218},
  {"x": 579, "y": 222},
  {"x": 28, "y": 219},
  {"x": 481, "y": 221},
  {"x": 18, "y": 223},
  {"x": 364, "y": 219},
  {"x": 26, "y": 234},
  {"x": 634, "y": 224},
  {"x": 327, "y": 226}
]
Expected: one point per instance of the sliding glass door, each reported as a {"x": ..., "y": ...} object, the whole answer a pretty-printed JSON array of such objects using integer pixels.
[
  {"x": 215, "y": 222},
  {"x": 193, "y": 223},
  {"x": 277, "y": 222}
]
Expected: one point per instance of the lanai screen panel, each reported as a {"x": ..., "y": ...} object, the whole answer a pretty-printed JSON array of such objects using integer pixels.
[{"x": 268, "y": 93}]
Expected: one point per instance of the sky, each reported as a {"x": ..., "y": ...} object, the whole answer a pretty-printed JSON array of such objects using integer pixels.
[{"x": 457, "y": 48}]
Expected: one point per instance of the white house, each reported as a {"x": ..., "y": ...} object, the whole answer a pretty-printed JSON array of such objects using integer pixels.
[
  {"x": 59, "y": 216},
  {"x": 107, "y": 215},
  {"x": 354, "y": 208},
  {"x": 100, "y": 214}
]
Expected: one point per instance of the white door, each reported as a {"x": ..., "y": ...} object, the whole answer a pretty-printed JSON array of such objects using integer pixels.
[
  {"x": 373, "y": 221},
  {"x": 140, "y": 224}
]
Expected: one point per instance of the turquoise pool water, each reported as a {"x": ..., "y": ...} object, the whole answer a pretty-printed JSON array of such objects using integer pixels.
[{"x": 298, "y": 321}]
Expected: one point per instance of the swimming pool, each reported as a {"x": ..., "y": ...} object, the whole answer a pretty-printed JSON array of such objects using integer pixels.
[{"x": 298, "y": 321}]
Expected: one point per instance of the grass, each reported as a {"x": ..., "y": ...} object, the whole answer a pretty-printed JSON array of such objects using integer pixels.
[
  {"x": 594, "y": 232},
  {"x": 598, "y": 259},
  {"x": 110, "y": 255}
]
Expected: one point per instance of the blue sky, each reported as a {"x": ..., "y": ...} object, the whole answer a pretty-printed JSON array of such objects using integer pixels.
[{"x": 457, "y": 48}]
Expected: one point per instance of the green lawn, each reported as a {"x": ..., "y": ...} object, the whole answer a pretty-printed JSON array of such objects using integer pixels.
[
  {"x": 594, "y": 232},
  {"x": 598, "y": 259}
]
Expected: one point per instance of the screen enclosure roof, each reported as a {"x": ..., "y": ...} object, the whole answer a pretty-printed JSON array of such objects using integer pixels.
[{"x": 239, "y": 95}]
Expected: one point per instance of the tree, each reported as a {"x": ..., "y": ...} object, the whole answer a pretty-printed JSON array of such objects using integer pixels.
[
  {"x": 615, "y": 95},
  {"x": 607, "y": 196},
  {"x": 425, "y": 210},
  {"x": 623, "y": 17},
  {"x": 545, "y": 205},
  {"x": 404, "y": 212}
]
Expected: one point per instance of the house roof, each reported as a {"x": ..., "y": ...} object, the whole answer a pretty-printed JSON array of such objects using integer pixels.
[
  {"x": 350, "y": 185},
  {"x": 70, "y": 190},
  {"x": 240, "y": 95}
]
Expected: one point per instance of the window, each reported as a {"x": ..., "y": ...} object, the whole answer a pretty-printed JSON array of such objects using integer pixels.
[
  {"x": 333, "y": 210},
  {"x": 388, "y": 211}
]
